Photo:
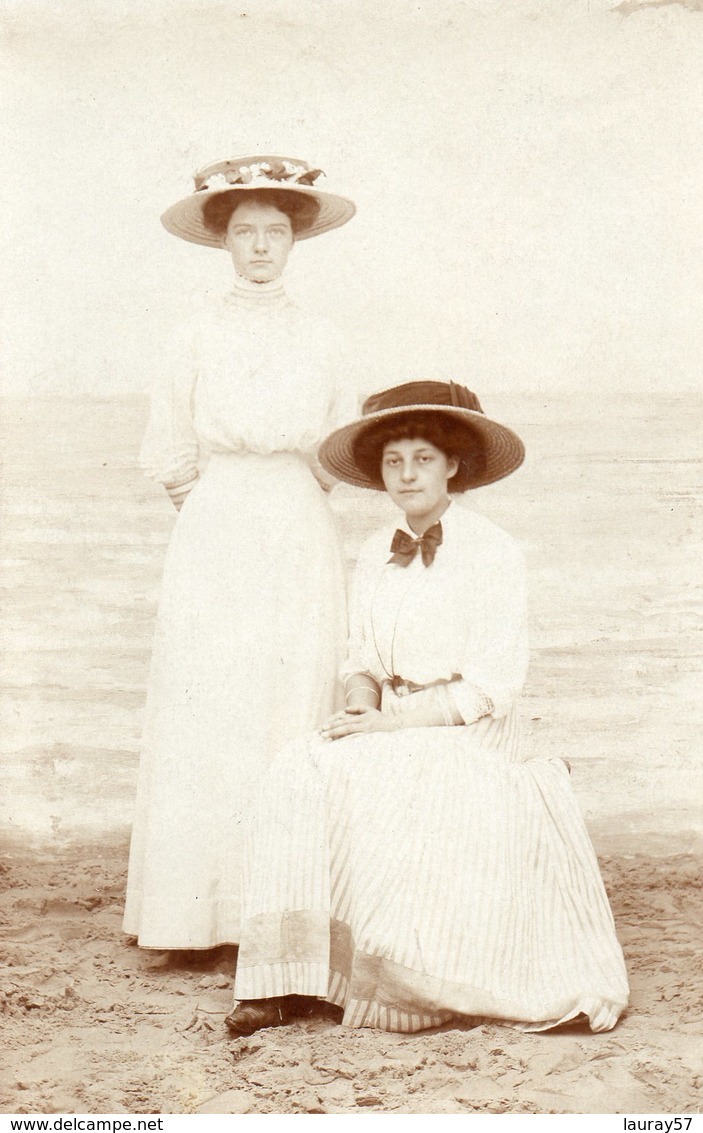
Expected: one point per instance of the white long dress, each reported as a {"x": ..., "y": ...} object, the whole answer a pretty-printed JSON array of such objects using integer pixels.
[
  {"x": 417, "y": 875},
  {"x": 252, "y": 614}
]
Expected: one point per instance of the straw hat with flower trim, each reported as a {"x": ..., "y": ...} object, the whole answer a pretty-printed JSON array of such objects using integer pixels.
[
  {"x": 240, "y": 175},
  {"x": 487, "y": 451}
]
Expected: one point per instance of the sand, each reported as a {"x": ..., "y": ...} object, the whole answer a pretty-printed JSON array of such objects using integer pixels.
[
  {"x": 606, "y": 508},
  {"x": 98, "y": 1026}
]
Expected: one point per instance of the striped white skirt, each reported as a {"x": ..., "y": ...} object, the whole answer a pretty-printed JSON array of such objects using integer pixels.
[{"x": 411, "y": 877}]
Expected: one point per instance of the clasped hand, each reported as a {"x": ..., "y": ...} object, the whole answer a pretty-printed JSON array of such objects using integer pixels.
[{"x": 356, "y": 721}]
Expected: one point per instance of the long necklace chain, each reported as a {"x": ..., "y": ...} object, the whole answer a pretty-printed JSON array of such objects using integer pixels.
[{"x": 412, "y": 583}]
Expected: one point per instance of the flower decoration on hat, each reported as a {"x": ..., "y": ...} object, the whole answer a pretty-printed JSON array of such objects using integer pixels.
[
  {"x": 272, "y": 172},
  {"x": 262, "y": 173}
]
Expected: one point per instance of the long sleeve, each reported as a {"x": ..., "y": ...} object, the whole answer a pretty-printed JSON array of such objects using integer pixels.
[
  {"x": 430, "y": 708},
  {"x": 361, "y": 652},
  {"x": 170, "y": 448},
  {"x": 344, "y": 404},
  {"x": 497, "y": 653}
]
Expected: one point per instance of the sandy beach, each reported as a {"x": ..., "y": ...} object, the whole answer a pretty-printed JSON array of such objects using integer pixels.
[{"x": 608, "y": 510}]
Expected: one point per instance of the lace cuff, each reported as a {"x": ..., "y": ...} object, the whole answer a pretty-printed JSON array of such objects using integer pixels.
[{"x": 469, "y": 701}]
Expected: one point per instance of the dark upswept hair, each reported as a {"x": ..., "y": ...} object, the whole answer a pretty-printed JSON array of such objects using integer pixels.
[
  {"x": 219, "y": 208},
  {"x": 455, "y": 439}
]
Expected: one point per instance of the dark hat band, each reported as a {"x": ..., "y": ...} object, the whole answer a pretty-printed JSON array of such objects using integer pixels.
[
  {"x": 502, "y": 449},
  {"x": 422, "y": 393}
]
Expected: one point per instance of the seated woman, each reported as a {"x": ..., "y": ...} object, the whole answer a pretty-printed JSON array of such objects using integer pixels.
[{"x": 407, "y": 864}]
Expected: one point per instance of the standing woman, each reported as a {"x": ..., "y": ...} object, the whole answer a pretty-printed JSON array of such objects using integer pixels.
[{"x": 252, "y": 614}]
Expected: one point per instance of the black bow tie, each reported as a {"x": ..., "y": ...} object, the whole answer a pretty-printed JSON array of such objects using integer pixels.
[{"x": 404, "y": 547}]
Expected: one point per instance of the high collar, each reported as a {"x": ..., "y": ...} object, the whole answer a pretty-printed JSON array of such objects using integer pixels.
[
  {"x": 258, "y": 296},
  {"x": 403, "y": 525}
]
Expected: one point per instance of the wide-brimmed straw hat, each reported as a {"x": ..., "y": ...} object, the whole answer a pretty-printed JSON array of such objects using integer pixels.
[
  {"x": 500, "y": 449},
  {"x": 241, "y": 175}
]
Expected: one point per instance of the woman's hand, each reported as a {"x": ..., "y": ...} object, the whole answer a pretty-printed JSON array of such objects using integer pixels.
[{"x": 357, "y": 721}]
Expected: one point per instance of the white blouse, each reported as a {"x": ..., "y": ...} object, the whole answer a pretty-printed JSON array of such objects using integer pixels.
[
  {"x": 251, "y": 373},
  {"x": 461, "y": 619}
]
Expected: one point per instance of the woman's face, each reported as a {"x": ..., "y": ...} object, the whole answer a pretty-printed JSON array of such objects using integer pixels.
[
  {"x": 259, "y": 239},
  {"x": 415, "y": 474}
]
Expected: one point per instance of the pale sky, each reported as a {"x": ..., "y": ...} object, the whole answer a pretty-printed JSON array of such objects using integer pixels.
[{"x": 527, "y": 175}]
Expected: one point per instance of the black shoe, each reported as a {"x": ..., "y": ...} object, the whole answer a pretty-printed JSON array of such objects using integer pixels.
[{"x": 253, "y": 1015}]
